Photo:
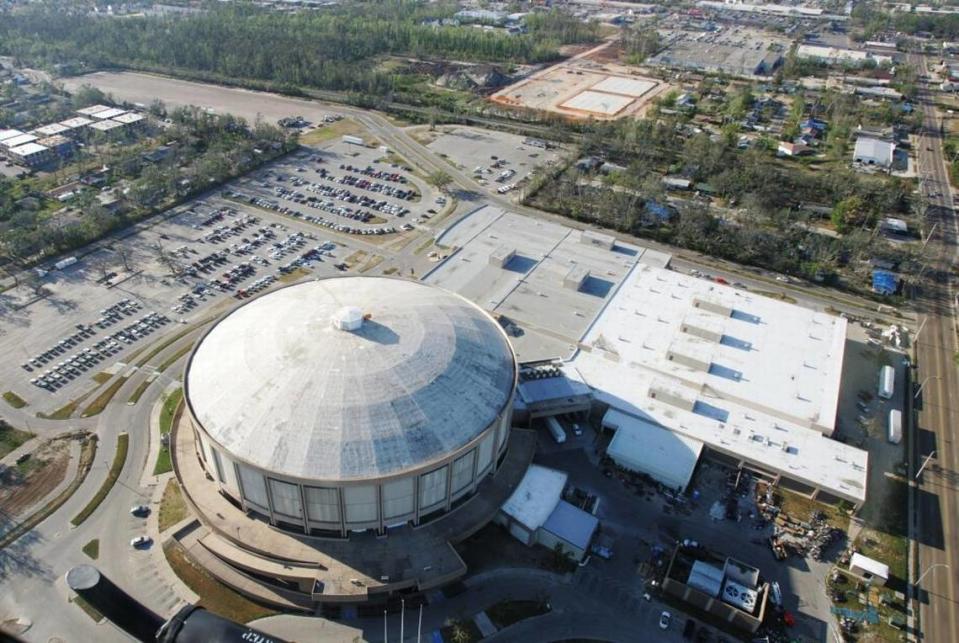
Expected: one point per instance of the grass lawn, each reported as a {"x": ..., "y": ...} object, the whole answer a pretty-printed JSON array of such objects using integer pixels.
[
  {"x": 293, "y": 275},
  {"x": 164, "y": 462},
  {"x": 506, "y": 613},
  {"x": 156, "y": 351},
  {"x": 11, "y": 438},
  {"x": 331, "y": 131},
  {"x": 169, "y": 361},
  {"x": 101, "y": 377},
  {"x": 123, "y": 443},
  {"x": 64, "y": 412},
  {"x": 141, "y": 389},
  {"x": 100, "y": 402},
  {"x": 14, "y": 400},
  {"x": 92, "y": 548},
  {"x": 214, "y": 595},
  {"x": 173, "y": 507}
]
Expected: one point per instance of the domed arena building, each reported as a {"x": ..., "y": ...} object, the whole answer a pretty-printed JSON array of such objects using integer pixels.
[{"x": 338, "y": 435}]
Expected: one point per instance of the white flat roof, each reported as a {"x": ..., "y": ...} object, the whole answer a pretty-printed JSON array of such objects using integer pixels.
[
  {"x": 640, "y": 445},
  {"x": 28, "y": 150},
  {"x": 536, "y": 497},
  {"x": 9, "y": 133},
  {"x": 759, "y": 379},
  {"x": 17, "y": 141},
  {"x": 105, "y": 126},
  {"x": 109, "y": 113},
  {"x": 76, "y": 122},
  {"x": 128, "y": 118},
  {"x": 51, "y": 130},
  {"x": 93, "y": 109},
  {"x": 870, "y": 565}
]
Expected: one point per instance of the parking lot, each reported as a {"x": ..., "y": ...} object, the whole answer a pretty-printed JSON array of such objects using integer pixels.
[
  {"x": 496, "y": 159},
  {"x": 122, "y": 296},
  {"x": 352, "y": 189}
]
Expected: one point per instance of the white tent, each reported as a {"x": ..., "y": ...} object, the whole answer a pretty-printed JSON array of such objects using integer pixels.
[{"x": 645, "y": 447}]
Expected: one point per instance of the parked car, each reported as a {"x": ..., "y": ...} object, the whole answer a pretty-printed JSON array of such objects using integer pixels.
[
  {"x": 140, "y": 541},
  {"x": 664, "y": 620},
  {"x": 140, "y": 510}
]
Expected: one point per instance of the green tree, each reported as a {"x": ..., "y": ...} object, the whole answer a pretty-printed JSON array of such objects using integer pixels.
[{"x": 440, "y": 179}]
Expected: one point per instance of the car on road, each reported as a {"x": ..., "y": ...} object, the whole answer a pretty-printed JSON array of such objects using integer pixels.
[
  {"x": 140, "y": 510},
  {"x": 140, "y": 541},
  {"x": 664, "y": 620}
]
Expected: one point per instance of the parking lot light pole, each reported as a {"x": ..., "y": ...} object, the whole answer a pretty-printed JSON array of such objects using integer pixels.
[
  {"x": 929, "y": 569},
  {"x": 923, "y": 385}
]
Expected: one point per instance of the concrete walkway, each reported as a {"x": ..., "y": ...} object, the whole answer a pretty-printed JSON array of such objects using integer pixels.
[{"x": 578, "y": 611}]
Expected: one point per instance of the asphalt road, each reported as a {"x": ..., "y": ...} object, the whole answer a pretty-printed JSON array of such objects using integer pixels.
[
  {"x": 937, "y": 501},
  {"x": 33, "y": 567}
]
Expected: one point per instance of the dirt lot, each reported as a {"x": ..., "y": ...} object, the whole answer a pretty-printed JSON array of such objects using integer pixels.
[{"x": 25, "y": 484}]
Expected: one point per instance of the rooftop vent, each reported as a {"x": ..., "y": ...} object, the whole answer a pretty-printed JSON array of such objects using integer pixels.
[{"x": 347, "y": 318}]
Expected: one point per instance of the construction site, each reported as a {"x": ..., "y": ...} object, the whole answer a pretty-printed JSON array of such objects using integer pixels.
[{"x": 582, "y": 89}]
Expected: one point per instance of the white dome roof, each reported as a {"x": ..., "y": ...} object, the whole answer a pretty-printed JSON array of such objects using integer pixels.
[{"x": 405, "y": 374}]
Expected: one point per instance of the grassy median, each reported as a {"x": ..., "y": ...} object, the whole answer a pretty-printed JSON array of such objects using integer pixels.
[
  {"x": 14, "y": 400},
  {"x": 123, "y": 444},
  {"x": 100, "y": 402},
  {"x": 164, "y": 462}
]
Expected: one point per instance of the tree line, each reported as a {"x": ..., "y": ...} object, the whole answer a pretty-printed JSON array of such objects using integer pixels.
[{"x": 331, "y": 49}]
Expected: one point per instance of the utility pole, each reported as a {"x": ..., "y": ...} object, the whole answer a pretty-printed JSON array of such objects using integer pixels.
[
  {"x": 924, "y": 243},
  {"x": 402, "y": 618},
  {"x": 919, "y": 473},
  {"x": 385, "y": 634}
]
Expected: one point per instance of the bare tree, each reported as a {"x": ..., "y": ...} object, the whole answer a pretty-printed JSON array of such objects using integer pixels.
[
  {"x": 166, "y": 259},
  {"x": 124, "y": 255},
  {"x": 33, "y": 281}
]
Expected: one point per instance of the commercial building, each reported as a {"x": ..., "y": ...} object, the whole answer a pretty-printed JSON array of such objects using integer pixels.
[
  {"x": 873, "y": 151},
  {"x": 324, "y": 420},
  {"x": 30, "y": 154},
  {"x": 730, "y": 590},
  {"x": 105, "y": 114},
  {"x": 678, "y": 367},
  {"x": 106, "y": 128},
  {"x": 839, "y": 56},
  {"x": 739, "y": 51},
  {"x": 131, "y": 120},
  {"x": 16, "y": 140},
  {"x": 536, "y": 514},
  {"x": 60, "y": 146},
  {"x": 51, "y": 130},
  {"x": 93, "y": 110},
  {"x": 77, "y": 126}
]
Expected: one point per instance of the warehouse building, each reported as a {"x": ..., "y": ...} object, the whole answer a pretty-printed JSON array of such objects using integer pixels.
[
  {"x": 678, "y": 368},
  {"x": 355, "y": 409}
]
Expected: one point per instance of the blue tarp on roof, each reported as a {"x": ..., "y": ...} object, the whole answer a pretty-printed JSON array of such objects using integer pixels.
[
  {"x": 572, "y": 524},
  {"x": 884, "y": 282}
]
